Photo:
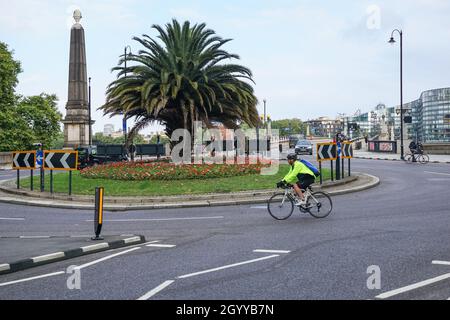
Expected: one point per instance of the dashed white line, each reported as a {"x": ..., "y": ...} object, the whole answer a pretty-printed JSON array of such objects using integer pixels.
[
  {"x": 271, "y": 251},
  {"x": 440, "y": 173},
  {"x": 445, "y": 263},
  {"x": 13, "y": 219},
  {"x": 32, "y": 278},
  {"x": 159, "y": 219},
  {"x": 161, "y": 245},
  {"x": 227, "y": 266},
  {"x": 152, "y": 292},
  {"x": 412, "y": 286}
]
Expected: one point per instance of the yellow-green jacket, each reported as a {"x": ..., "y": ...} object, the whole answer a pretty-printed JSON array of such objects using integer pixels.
[{"x": 296, "y": 169}]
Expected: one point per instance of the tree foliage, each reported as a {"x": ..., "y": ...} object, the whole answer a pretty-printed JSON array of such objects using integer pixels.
[
  {"x": 289, "y": 127},
  {"x": 180, "y": 79},
  {"x": 24, "y": 120}
]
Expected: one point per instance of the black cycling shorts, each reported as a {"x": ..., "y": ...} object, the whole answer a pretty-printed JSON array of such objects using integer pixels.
[{"x": 305, "y": 180}]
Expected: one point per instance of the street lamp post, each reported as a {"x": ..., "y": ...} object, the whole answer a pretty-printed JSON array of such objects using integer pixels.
[
  {"x": 392, "y": 41},
  {"x": 124, "y": 121},
  {"x": 264, "y": 112},
  {"x": 90, "y": 124}
]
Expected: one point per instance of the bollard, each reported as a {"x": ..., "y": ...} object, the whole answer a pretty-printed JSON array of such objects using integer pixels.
[{"x": 98, "y": 218}]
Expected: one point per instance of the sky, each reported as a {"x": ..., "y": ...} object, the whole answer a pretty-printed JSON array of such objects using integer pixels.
[{"x": 308, "y": 58}]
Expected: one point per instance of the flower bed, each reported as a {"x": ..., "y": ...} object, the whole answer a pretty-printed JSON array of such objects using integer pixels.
[{"x": 139, "y": 171}]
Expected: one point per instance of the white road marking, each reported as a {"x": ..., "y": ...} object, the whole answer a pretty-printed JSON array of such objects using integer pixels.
[
  {"x": 445, "y": 263},
  {"x": 105, "y": 258},
  {"x": 13, "y": 219},
  {"x": 271, "y": 251},
  {"x": 258, "y": 207},
  {"x": 441, "y": 173},
  {"x": 32, "y": 278},
  {"x": 412, "y": 286},
  {"x": 151, "y": 293},
  {"x": 161, "y": 219},
  {"x": 161, "y": 245},
  {"x": 227, "y": 266},
  {"x": 34, "y": 237}
]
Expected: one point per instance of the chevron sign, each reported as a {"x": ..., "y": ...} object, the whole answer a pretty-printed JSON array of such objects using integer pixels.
[
  {"x": 23, "y": 160},
  {"x": 60, "y": 160},
  {"x": 326, "y": 151},
  {"x": 347, "y": 150}
]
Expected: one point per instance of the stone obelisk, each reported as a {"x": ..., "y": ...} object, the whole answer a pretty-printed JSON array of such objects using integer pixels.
[{"x": 76, "y": 122}]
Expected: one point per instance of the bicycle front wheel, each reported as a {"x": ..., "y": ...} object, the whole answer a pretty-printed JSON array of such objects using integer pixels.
[
  {"x": 319, "y": 204},
  {"x": 408, "y": 158},
  {"x": 424, "y": 158},
  {"x": 280, "y": 206}
]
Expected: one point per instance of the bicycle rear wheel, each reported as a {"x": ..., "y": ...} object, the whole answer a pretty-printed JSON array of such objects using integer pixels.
[
  {"x": 319, "y": 204},
  {"x": 280, "y": 206},
  {"x": 424, "y": 158}
]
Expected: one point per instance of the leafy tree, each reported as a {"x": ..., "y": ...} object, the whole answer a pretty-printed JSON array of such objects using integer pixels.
[
  {"x": 181, "y": 79},
  {"x": 24, "y": 120},
  {"x": 289, "y": 127},
  {"x": 9, "y": 70}
]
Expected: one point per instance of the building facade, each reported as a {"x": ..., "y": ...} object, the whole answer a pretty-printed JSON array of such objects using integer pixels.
[
  {"x": 430, "y": 119},
  {"x": 325, "y": 127}
]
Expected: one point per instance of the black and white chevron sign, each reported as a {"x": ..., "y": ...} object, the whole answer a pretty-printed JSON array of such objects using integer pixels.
[
  {"x": 60, "y": 160},
  {"x": 326, "y": 151},
  {"x": 24, "y": 160},
  {"x": 347, "y": 150}
]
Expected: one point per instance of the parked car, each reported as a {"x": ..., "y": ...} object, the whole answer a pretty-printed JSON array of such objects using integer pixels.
[{"x": 304, "y": 146}]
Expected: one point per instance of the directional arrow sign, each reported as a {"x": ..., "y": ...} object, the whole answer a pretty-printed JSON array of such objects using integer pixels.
[
  {"x": 60, "y": 160},
  {"x": 24, "y": 160},
  {"x": 347, "y": 150},
  {"x": 326, "y": 151}
]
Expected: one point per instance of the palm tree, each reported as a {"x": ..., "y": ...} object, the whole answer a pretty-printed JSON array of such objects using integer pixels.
[{"x": 181, "y": 81}]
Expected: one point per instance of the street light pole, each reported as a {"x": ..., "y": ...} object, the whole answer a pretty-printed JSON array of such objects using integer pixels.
[
  {"x": 90, "y": 125},
  {"x": 392, "y": 41},
  {"x": 124, "y": 122},
  {"x": 264, "y": 112}
]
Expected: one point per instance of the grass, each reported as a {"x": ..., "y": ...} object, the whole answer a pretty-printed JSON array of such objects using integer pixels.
[{"x": 83, "y": 186}]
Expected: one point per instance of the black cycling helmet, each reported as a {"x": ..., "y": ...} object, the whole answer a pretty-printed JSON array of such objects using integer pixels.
[{"x": 292, "y": 156}]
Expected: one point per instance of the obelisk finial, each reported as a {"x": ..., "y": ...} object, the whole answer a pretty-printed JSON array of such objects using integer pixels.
[{"x": 77, "y": 15}]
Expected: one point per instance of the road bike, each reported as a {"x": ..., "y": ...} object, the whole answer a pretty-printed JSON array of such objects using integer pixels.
[
  {"x": 281, "y": 205},
  {"x": 421, "y": 158}
]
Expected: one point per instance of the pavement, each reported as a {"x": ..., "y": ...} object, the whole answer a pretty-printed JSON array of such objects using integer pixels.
[
  {"x": 360, "y": 154},
  {"x": 10, "y": 194}
]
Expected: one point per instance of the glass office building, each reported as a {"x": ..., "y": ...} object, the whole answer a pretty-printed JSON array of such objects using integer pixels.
[{"x": 430, "y": 118}]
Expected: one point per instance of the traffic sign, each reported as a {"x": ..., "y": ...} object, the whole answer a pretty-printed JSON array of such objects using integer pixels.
[
  {"x": 60, "y": 160},
  {"x": 24, "y": 160},
  {"x": 326, "y": 151},
  {"x": 39, "y": 157},
  {"x": 347, "y": 150}
]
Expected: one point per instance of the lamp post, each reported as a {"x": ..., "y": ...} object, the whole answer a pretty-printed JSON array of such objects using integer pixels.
[
  {"x": 124, "y": 122},
  {"x": 90, "y": 124},
  {"x": 265, "y": 112},
  {"x": 392, "y": 41}
]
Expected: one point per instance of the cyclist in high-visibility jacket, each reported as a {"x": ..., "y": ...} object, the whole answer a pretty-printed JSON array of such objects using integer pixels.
[{"x": 299, "y": 175}]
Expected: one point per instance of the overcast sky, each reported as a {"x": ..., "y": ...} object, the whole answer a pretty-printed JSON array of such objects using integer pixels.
[{"x": 308, "y": 58}]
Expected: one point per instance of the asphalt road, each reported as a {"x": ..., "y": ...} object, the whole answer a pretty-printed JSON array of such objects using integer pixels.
[{"x": 400, "y": 227}]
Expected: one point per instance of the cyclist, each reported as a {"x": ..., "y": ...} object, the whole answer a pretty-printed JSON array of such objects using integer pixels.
[
  {"x": 300, "y": 176},
  {"x": 413, "y": 147}
]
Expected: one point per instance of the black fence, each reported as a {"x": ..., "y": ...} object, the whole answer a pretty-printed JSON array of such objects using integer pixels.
[
  {"x": 150, "y": 150},
  {"x": 382, "y": 146}
]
